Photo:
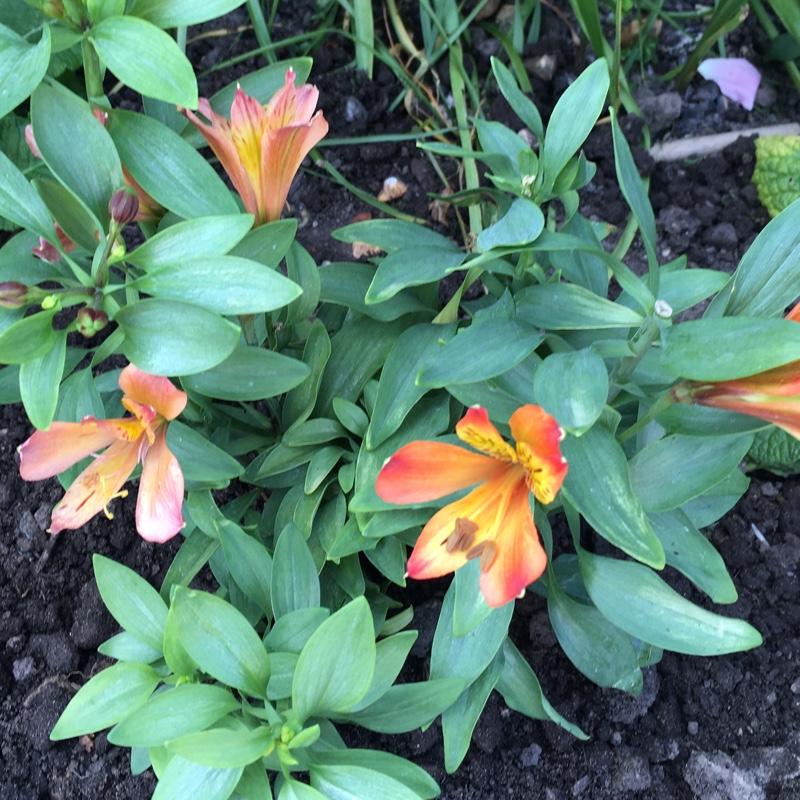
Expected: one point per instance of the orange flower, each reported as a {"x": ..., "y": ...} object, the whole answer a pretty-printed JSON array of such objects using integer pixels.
[
  {"x": 772, "y": 395},
  {"x": 494, "y": 521},
  {"x": 153, "y": 401},
  {"x": 261, "y": 147}
]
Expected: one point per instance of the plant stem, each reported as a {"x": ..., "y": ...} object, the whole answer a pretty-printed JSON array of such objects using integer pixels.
[
  {"x": 660, "y": 405},
  {"x": 648, "y": 332},
  {"x": 93, "y": 75},
  {"x": 260, "y": 29}
]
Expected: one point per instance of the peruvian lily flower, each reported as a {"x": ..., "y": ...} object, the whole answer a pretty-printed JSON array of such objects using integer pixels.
[
  {"x": 153, "y": 401},
  {"x": 737, "y": 78},
  {"x": 261, "y": 147},
  {"x": 493, "y": 522},
  {"x": 772, "y": 395},
  {"x": 48, "y": 252}
]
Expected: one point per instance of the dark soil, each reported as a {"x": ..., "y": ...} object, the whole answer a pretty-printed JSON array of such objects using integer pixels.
[{"x": 714, "y": 729}]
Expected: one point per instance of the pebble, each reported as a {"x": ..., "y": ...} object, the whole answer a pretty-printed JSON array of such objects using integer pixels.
[
  {"x": 530, "y": 756},
  {"x": 23, "y": 668},
  {"x": 714, "y": 776},
  {"x": 795, "y": 687},
  {"x": 692, "y": 727},
  {"x": 354, "y": 111},
  {"x": 581, "y": 785}
]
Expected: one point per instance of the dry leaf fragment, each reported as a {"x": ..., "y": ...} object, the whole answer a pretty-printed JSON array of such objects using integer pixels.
[
  {"x": 392, "y": 189},
  {"x": 439, "y": 207},
  {"x": 362, "y": 249},
  {"x": 630, "y": 32}
]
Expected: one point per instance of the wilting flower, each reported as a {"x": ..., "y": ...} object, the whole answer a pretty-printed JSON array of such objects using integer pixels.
[
  {"x": 737, "y": 78},
  {"x": 48, "y": 252},
  {"x": 493, "y": 522},
  {"x": 772, "y": 395},
  {"x": 153, "y": 401},
  {"x": 261, "y": 147}
]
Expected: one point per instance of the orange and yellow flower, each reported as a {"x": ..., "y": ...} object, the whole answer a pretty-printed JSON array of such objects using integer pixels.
[
  {"x": 772, "y": 395},
  {"x": 261, "y": 147},
  {"x": 153, "y": 401},
  {"x": 493, "y": 522}
]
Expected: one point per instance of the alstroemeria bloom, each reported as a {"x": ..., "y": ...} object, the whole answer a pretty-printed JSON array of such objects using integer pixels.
[
  {"x": 48, "y": 252},
  {"x": 153, "y": 401},
  {"x": 261, "y": 147},
  {"x": 737, "y": 78},
  {"x": 493, "y": 522},
  {"x": 773, "y": 395}
]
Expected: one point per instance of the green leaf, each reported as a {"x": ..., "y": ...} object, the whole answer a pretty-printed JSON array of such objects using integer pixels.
[
  {"x": 484, "y": 350},
  {"x": 766, "y": 280},
  {"x": 414, "y": 265},
  {"x": 295, "y": 583},
  {"x": 291, "y": 631},
  {"x": 304, "y": 275},
  {"x": 634, "y": 598},
  {"x": 146, "y": 59},
  {"x": 566, "y": 306},
  {"x": 521, "y": 224},
  {"x": 459, "y": 720},
  {"x": 194, "y": 238},
  {"x": 598, "y": 484},
  {"x": 74, "y": 217},
  {"x": 167, "y": 715},
  {"x": 398, "y": 391},
  {"x": 20, "y": 204},
  {"x": 522, "y": 692},
  {"x": 132, "y": 601},
  {"x": 175, "y": 13},
  {"x": 597, "y": 648},
  {"x": 204, "y": 465},
  {"x": 335, "y": 669},
  {"x": 28, "y": 339},
  {"x": 39, "y": 381},
  {"x": 69, "y": 138},
  {"x": 676, "y": 469},
  {"x": 250, "y": 564},
  {"x": 573, "y": 118},
  {"x": 249, "y": 373},
  {"x": 392, "y": 235},
  {"x": 467, "y": 656},
  {"x": 168, "y": 168},
  {"x": 408, "y": 706},
  {"x": 222, "y": 747},
  {"x": 293, "y": 790},
  {"x": 268, "y": 243},
  {"x": 573, "y": 388},
  {"x": 776, "y": 450},
  {"x": 125, "y": 647},
  {"x": 220, "y": 640},
  {"x": 521, "y": 104},
  {"x": 299, "y": 402},
  {"x": 390, "y": 655},
  {"x": 688, "y": 551},
  {"x": 107, "y": 698},
  {"x": 183, "y": 778},
  {"x": 26, "y": 63},
  {"x": 726, "y": 348},
  {"x": 684, "y": 288},
  {"x": 345, "y": 782},
  {"x": 170, "y": 337}
]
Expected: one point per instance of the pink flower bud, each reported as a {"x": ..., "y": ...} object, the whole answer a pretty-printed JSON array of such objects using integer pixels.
[
  {"x": 123, "y": 206},
  {"x": 90, "y": 321},
  {"x": 13, "y": 294}
]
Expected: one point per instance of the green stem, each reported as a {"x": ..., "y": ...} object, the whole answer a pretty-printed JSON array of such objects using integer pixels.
[
  {"x": 658, "y": 408},
  {"x": 93, "y": 75},
  {"x": 648, "y": 332},
  {"x": 100, "y": 266},
  {"x": 260, "y": 29},
  {"x": 772, "y": 32}
]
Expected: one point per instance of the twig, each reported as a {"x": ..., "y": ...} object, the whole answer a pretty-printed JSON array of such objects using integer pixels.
[{"x": 705, "y": 145}]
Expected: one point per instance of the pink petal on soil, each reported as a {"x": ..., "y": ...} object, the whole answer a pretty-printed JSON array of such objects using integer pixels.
[{"x": 737, "y": 78}]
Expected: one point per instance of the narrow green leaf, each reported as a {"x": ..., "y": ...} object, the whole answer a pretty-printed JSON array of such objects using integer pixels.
[
  {"x": 183, "y": 778},
  {"x": 27, "y": 339},
  {"x": 522, "y": 105},
  {"x": 335, "y": 669},
  {"x": 413, "y": 266},
  {"x": 346, "y": 782},
  {"x": 598, "y": 484},
  {"x": 39, "y": 381},
  {"x": 633, "y": 597},
  {"x": 268, "y": 243},
  {"x": 220, "y": 640},
  {"x": 521, "y": 224},
  {"x": 131, "y": 600},
  {"x": 299, "y": 402},
  {"x": 146, "y": 59},
  {"x": 566, "y": 306},
  {"x": 223, "y": 748},
  {"x": 291, "y": 631},
  {"x": 20, "y": 204},
  {"x": 107, "y": 698},
  {"x": 204, "y": 465},
  {"x": 293, "y": 790},
  {"x": 250, "y": 564},
  {"x": 176, "y": 712},
  {"x": 175, "y": 13},
  {"x": 170, "y": 337},
  {"x": 25, "y": 62},
  {"x": 295, "y": 583}
]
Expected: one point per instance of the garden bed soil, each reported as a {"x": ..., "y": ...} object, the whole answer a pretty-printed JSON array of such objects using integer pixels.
[{"x": 709, "y": 728}]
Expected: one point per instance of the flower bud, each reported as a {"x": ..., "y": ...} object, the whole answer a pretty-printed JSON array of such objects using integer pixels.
[
  {"x": 91, "y": 320},
  {"x": 13, "y": 294},
  {"x": 123, "y": 206}
]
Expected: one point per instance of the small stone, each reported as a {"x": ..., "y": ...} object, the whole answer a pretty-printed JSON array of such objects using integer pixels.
[
  {"x": 354, "y": 111},
  {"x": 23, "y": 668},
  {"x": 692, "y": 728},
  {"x": 581, "y": 785},
  {"x": 530, "y": 756},
  {"x": 616, "y": 738},
  {"x": 795, "y": 687},
  {"x": 28, "y": 526},
  {"x": 772, "y": 698},
  {"x": 769, "y": 489},
  {"x": 632, "y": 773},
  {"x": 714, "y": 776}
]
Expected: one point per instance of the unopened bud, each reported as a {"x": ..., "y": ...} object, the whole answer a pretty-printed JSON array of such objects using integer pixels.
[
  {"x": 13, "y": 294},
  {"x": 123, "y": 206},
  {"x": 91, "y": 320}
]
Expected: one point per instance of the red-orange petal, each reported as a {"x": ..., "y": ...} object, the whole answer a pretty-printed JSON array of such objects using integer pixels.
[
  {"x": 424, "y": 471},
  {"x": 477, "y": 431},
  {"x": 158, "y": 508},
  {"x": 154, "y": 390},
  {"x": 48, "y": 453},
  {"x": 794, "y": 314}
]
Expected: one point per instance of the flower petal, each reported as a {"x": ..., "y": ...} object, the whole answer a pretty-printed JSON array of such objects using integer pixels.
[
  {"x": 158, "y": 508},
  {"x": 282, "y": 152},
  {"x": 794, "y": 314},
  {"x": 737, "y": 78},
  {"x": 292, "y": 104},
  {"x": 153, "y": 390},
  {"x": 476, "y": 431},
  {"x": 538, "y": 438},
  {"x": 423, "y": 471},
  {"x": 63, "y": 444},
  {"x": 95, "y": 487}
]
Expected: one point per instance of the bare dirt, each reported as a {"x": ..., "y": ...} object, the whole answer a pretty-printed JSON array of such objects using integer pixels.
[{"x": 712, "y": 729}]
